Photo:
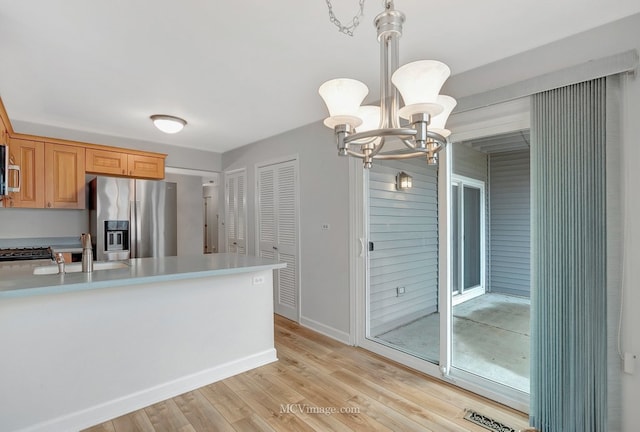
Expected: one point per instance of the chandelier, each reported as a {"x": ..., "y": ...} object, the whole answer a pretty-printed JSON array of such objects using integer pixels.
[{"x": 390, "y": 131}]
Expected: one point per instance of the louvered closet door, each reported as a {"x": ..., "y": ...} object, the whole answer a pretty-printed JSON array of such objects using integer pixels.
[
  {"x": 278, "y": 231},
  {"x": 235, "y": 221}
]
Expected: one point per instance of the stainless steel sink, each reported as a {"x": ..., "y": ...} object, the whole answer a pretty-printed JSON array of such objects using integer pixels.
[{"x": 76, "y": 267}]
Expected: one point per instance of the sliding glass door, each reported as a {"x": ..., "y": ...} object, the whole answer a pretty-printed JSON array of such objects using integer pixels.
[
  {"x": 430, "y": 301},
  {"x": 467, "y": 238},
  {"x": 402, "y": 294}
]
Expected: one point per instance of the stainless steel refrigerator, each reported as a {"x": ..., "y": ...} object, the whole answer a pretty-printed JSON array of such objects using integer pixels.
[{"x": 132, "y": 218}]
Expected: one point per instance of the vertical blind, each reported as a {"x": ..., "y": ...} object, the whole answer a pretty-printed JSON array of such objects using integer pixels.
[{"x": 569, "y": 280}]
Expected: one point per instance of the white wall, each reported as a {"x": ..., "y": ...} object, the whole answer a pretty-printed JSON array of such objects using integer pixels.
[
  {"x": 72, "y": 360},
  {"x": 324, "y": 199}
]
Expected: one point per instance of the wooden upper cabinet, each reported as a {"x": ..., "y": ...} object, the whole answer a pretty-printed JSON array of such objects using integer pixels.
[
  {"x": 4, "y": 134},
  {"x": 149, "y": 167},
  {"x": 124, "y": 164},
  {"x": 64, "y": 176},
  {"x": 106, "y": 162},
  {"x": 29, "y": 157}
]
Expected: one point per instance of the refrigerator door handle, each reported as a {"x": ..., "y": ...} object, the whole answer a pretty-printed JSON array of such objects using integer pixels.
[
  {"x": 138, "y": 224},
  {"x": 133, "y": 234}
]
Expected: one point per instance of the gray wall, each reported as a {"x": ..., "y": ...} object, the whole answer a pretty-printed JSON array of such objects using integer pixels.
[
  {"x": 324, "y": 199},
  {"x": 510, "y": 220},
  {"x": 30, "y": 223},
  {"x": 403, "y": 225},
  {"x": 211, "y": 194},
  {"x": 190, "y": 213}
]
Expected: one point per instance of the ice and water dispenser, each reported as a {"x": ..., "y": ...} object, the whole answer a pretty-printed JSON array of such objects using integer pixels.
[{"x": 116, "y": 235}]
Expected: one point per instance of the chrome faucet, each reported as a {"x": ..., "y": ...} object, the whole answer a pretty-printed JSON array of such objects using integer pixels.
[
  {"x": 87, "y": 253},
  {"x": 60, "y": 262}
]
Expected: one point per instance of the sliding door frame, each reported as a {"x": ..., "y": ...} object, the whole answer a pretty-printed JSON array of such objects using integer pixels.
[
  {"x": 504, "y": 118},
  {"x": 463, "y": 294}
]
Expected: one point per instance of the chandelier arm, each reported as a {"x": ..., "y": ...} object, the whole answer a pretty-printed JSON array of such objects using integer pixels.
[
  {"x": 374, "y": 133},
  {"x": 437, "y": 137},
  {"x": 355, "y": 154},
  {"x": 440, "y": 147},
  {"x": 409, "y": 144},
  {"x": 398, "y": 156},
  {"x": 378, "y": 147}
]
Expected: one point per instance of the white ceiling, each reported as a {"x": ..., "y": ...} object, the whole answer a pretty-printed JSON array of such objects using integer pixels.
[{"x": 239, "y": 71}]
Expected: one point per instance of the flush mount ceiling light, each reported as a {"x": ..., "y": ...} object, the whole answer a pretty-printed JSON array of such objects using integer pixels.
[
  {"x": 363, "y": 131},
  {"x": 168, "y": 124}
]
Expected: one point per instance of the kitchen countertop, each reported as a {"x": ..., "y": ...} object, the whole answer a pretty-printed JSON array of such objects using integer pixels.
[{"x": 20, "y": 282}]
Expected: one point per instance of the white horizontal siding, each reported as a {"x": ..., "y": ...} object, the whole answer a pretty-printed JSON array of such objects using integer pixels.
[
  {"x": 510, "y": 216},
  {"x": 403, "y": 226},
  {"x": 468, "y": 162}
]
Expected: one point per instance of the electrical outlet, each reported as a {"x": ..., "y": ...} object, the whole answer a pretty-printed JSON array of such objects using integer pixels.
[
  {"x": 399, "y": 291},
  {"x": 325, "y": 227},
  {"x": 258, "y": 280},
  {"x": 629, "y": 363}
]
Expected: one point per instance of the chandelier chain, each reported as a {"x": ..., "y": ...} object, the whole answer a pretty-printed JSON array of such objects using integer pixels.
[{"x": 355, "y": 21}]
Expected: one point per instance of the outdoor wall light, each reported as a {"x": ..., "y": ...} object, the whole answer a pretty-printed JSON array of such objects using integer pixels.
[{"x": 403, "y": 181}]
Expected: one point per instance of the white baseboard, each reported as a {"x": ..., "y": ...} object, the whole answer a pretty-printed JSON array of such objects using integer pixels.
[
  {"x": 126, "y": 404},
  {"x": 333, "y": 333}
]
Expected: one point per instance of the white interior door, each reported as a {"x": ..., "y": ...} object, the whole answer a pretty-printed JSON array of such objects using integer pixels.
[
  {"x": 236, "y": 211},
  {"x": 277, "y": 230}
]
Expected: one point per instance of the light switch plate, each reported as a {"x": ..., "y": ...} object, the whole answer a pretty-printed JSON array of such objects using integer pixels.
[{"x": 629, "y": 363}]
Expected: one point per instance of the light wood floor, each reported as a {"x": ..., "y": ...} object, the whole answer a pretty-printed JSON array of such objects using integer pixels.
[{"x": 314, "y": 376}]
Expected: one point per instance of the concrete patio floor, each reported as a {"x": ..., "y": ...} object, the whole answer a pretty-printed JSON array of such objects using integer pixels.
[{"x": 490, "y": 338}]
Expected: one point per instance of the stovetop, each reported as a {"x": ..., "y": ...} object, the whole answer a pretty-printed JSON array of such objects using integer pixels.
[{"x": 22, "y": 254}]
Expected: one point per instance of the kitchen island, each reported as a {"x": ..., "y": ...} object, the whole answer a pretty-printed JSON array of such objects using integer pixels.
[{"x": 78, "y": 348}]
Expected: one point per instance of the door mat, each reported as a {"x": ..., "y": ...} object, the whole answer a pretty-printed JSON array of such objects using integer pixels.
[{"x": 487, "y": 422}]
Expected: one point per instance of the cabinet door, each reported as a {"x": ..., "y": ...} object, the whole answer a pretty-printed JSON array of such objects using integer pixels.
[
  {"x": 64, "y": 176},
  {"x": 145, "y": 166},
  {"x": 29, "y": 156},
  {"x": 106, "y": 162}
]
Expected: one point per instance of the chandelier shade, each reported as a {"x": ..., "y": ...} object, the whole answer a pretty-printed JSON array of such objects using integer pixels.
[
  {"x": 343, "y": 97},
  {"x": 370, "y": 116},
  {"x": 438, "y": 122},
  {"x": 417, "y": 129},
  {"x": 419, "y": 83}
]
